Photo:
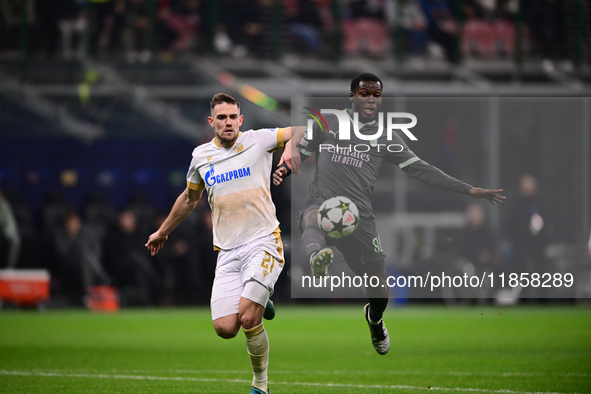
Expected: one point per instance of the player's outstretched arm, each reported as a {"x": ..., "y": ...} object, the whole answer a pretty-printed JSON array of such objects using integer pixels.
[
  {"x": 183, "y": 206},
  {"x": 492, "y": 196},
  {"x": 433, "y": 176}
]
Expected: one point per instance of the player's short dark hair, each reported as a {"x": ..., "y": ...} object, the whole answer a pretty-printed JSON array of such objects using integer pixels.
[
  {"x": 365, "y": 77},
  {"x": 221, "y": 98}
]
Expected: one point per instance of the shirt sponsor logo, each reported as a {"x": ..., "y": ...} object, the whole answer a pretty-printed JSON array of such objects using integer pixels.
[{"x": 211, "y": 178}]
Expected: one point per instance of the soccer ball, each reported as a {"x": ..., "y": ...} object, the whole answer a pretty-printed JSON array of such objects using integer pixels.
[{"x": 338, "y": 217}]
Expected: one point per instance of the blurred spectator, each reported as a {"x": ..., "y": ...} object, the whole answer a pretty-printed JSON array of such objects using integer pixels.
[
  {"x": 10, "y": 239},
  {"x": 11, "y": 20},
  {"x": 585, "y": 22},
  {"x": 79, "y": 256},
  {"x": 478, "y": 35},
  {"x": 164, "y": 35},
  {"x": 144, "y": 213},
  {"x": 141, "y": 28},
  {"x": 106, "y": 21},
  {"x": 478, "y": 244},
  {"x": 240, "y": 30},
  {"x": 136, "y": 32},
  {"x": 188, "y": 266},
  {"x": 54, "y": 210},
  {"x": 115, "y": 29},
  {"x": 305, "y": 24},
  {"x": 528, "y": 235},
  {"x": 546, "y": 21},
  {"x": 183, "y": 17},
  {"x": 165, "y": 266},
  {"x": 99, "y": 213},
  {"x": 73, "y": 28},
  {"x": 181, "y": 265},
  {"x": 31, "y": 254},
  {"x": 207, "y": 255},
  {"x": 505, "y": 13},
  {"x": 51, "y": 14},
  {"x": 97, "y": 19},
  {"x": 488, "y": 30},
  {"x": 413, "y": 24},
  {"x": 441, "y": 26},
  {"x": 365, "y": 28},
  {"x": 128, "y": 262}
]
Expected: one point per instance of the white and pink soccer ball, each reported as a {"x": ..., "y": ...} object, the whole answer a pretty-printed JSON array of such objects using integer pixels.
[{"x": 338, "y": 217}]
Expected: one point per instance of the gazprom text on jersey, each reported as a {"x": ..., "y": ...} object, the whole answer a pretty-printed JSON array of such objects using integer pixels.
[{"x": 211, "y": 179}]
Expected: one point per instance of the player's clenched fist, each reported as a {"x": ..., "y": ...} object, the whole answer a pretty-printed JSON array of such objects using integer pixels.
[{"x": 279, "y": 175}]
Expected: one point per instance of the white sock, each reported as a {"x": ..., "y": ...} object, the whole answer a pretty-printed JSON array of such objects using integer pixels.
[{"x": 257, "y": 346}]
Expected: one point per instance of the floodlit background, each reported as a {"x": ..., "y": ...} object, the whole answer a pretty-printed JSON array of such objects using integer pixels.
[{"x": 102, "y": 103}]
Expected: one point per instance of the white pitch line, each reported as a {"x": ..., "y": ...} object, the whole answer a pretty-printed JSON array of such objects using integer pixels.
[
  {"x": 336, "y": 372},
  {"x": 207, "y": 380}
]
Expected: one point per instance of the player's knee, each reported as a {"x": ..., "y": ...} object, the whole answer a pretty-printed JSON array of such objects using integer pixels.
[
  {"x": 310, "y": 218},
  {"x": 225, "y": 330},
  {"x": 250, "y": 320}
]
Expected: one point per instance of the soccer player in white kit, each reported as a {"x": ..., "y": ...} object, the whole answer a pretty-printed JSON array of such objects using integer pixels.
[{"x": 235, "y": 169}]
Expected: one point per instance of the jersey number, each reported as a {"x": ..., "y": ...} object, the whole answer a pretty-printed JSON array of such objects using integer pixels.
[
  {"x": 268, "y": 259},
  {"x": 377, "y": 245}
]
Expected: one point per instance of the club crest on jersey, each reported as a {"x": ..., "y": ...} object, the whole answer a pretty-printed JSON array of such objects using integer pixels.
[
  {"x": 211, "y": 178},
  {"x": 238, "y": 148}
]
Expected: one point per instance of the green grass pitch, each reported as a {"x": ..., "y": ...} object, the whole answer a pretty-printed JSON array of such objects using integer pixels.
[{"x": 313, "y": 350}]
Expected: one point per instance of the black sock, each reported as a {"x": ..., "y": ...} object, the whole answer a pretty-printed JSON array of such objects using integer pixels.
[
  {"x": 313, "y": 240},
  {"x": 377, "y": 306}
]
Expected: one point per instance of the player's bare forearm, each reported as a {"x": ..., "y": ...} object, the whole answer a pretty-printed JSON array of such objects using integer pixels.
[
  {"x": 183, "y": 206},
  {"x": 297, "y": 132},
  {"x": 290, "y": 160},
  {"x": 292, "y": 137},
  {"x": 492, "y": 195},
  {"x": 293, "y": 133}
]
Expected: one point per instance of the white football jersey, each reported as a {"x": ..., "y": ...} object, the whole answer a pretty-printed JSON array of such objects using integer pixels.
[{"x": 237, "y": 181}]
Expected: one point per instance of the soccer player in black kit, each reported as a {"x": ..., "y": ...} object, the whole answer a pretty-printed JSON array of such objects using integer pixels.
[{"x": 344, "y": 172}]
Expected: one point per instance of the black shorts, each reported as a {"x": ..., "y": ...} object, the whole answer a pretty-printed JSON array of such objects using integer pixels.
[{"x": 362, "y": 249}]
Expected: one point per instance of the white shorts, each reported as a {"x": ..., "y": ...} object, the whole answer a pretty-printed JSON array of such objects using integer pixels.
[{"x": 248, "y": 271}]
